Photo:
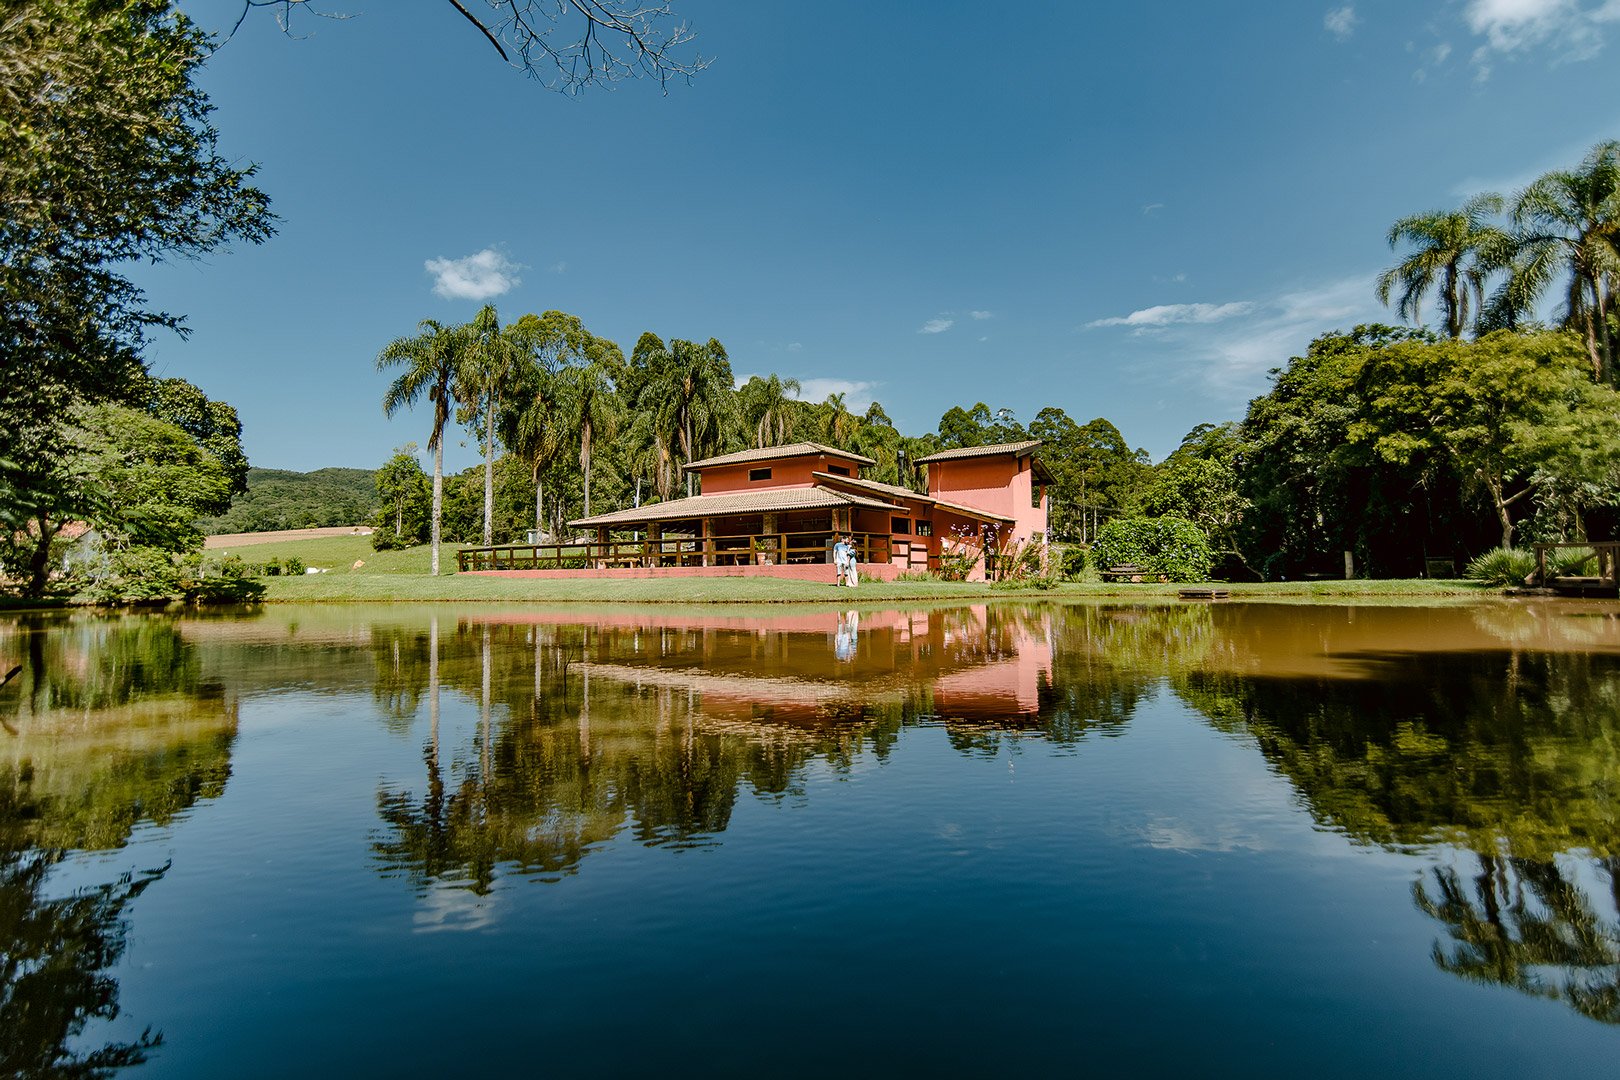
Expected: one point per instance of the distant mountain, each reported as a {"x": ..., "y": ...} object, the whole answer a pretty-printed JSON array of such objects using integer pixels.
[{"x": 278, "y": 499}]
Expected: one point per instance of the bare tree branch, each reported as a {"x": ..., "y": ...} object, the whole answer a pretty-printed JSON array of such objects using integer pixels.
[{"x": 610, "y": 40}]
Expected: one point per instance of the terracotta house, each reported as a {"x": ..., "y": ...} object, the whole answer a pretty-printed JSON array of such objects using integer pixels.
[{"x": 776, "y": 511}]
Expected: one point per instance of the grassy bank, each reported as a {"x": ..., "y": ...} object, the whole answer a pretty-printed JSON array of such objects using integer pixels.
[{"x": 403, "y": 576}]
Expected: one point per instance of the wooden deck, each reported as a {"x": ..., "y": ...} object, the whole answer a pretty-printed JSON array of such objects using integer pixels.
[{"x": 1604, "y": 584}]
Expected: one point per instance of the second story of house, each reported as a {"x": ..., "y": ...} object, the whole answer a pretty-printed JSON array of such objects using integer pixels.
[
  {"x": 790, "y": 466},
  {"x": 1006, "y": 478}
]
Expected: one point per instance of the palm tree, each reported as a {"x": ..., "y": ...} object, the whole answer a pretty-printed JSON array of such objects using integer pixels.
[
  {"x": 532, "y": 421},
  {"x": 767, "y": 407},
  {"x": 434, "y": 361},
  {"x": 690, "y": 388},
  {"x": 492, "y": 369},
  {"x": 1569, "y": 222},
  {"x": 591, "y": 405},
  {"x": 1455, "y": 250},
  {"x": 834, "y": 422}
]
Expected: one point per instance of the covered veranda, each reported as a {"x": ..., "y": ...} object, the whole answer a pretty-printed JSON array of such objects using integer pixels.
[{"x": 721, "y": 533}]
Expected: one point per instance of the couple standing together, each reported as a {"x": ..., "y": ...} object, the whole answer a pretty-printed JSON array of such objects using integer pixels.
[{"x": 844, "y": 562}]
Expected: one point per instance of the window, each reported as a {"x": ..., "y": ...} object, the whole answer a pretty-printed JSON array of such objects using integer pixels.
[
  {"x": 900, "y": 526},
  {"x": 839, "y": 469},
  {"x": 1038, "y": 493},
  {"x": 925, "y": 528},
  {"x": 759, "y": 474}
]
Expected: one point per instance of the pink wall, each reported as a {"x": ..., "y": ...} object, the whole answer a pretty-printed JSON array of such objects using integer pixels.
[
  {"x": 1000, "y": 484},
  {"x": 785, "y": 473}
]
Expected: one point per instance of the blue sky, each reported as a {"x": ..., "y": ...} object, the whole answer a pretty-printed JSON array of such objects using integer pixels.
[{"x": 1124, "y": 210}]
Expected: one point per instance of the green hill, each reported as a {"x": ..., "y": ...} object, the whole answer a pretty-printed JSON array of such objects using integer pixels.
[{"x": 278, "y": 499}]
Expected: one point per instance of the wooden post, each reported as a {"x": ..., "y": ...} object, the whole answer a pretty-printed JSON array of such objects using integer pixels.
[
  {"x": 708, "y": 542},
  {"x": 1349, "y": 566},
  {"x": 768, "y": 542}
]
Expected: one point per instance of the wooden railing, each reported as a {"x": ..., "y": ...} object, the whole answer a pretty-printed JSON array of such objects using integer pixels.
[
  {"x": 1605, "y": 552},
  {"x": 766, "y": 549}
]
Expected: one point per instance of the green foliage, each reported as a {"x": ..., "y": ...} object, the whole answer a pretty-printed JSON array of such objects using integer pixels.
[
  {"x": 106, "y": 159},
  {"x": 1072, "y": 562},
  {"x": 137, "y": 574},
  {"x": 293, "y": 566},
  {"x": 1091, "y": 465},
  {"x": 1502, "y": 566},
  {"x": 279, "y": 499},
  {"x": 1169, "y": 545}
]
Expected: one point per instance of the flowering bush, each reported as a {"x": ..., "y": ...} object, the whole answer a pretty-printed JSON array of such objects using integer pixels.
[{"x": 1172, "y": 546}]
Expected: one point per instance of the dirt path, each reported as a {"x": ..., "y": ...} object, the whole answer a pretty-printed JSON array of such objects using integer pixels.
[{"x": 230, "y": 540}]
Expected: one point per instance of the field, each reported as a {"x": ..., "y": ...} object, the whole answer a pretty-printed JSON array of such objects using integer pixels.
[{"x": 403, "y": 576}]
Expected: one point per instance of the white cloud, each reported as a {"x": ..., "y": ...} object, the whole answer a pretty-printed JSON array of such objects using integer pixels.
[
  {"x": 937, "y": 326},
  {"x": 559, "y": 267},
  {"x": 1150, "y": 207},
  {"x": 794, "y": 346},
  {"x": 1570, "y": 27},
  {"x": 1169, "y": 314},
  {"x": 474, "y": 277},
  {"x": 1341, "y": 22},
  {"x": 1231, "y": 357},
  {"x": 858, "y": 396},
  {"x": 982, "y": 314},
  {"x": 1440, "y": 52}
]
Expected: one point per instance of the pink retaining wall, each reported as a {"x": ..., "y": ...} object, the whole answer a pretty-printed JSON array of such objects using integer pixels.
[{"x": 823, "y": 572}]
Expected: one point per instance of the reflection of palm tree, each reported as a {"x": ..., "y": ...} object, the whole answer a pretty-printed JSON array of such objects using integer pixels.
[{"x": 1532, "y": 930}]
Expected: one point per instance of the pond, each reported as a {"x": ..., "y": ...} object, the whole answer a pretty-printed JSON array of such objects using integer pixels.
[{"x": 1221, "y": 839}]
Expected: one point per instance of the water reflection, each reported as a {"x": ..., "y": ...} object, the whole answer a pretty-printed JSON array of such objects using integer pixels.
[
  {"x": 110, "y": 725},
  {"x": 596, "y": 727},
  {"x": 1481, "y": 741},
  {"x": 1506, "y": 758}
]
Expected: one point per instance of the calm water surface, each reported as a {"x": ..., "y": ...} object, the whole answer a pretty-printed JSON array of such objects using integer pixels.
[{"x": 1239, "y": 839}]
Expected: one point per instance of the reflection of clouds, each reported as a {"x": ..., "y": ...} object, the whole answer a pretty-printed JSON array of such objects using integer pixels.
[
  {"x": 1168, "y": 834},
  {"x": 444, "y": 907}
]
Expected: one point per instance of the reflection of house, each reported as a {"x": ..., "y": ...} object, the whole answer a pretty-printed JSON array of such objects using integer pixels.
[
  {"x": 978, "y": 665},
  {"x": 775, "y": 512}
]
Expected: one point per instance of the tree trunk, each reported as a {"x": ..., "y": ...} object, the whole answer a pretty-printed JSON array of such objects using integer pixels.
[
  {"x": 438, "y": 494},
  {"x": 39, "y": 563},
  {"x": 539, "y": 490},
  {"x": 688, "y": 432},
  {"x": 585, "y": 466},
  {"x": 1495, "y": 488},
  {"x": 489, "y": 473}
]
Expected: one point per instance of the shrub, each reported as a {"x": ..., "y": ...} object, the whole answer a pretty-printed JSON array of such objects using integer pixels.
[
  {"x": 137, "y": 574},
  {"x": 1073, "y": 563},
  {"x": 1169, "y": 545},
  {"x": 1503, "y": 566},
  {"x": 957, "y": 560},
  {"x": 385, "y": 538},
  {"x": 918, "y": 575},
  {"x": 224, "y": 590},
  {"x": 294, "y": 566}
]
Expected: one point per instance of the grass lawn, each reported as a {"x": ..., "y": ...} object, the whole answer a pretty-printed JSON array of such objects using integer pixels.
[{"x": 403, "y": 576}]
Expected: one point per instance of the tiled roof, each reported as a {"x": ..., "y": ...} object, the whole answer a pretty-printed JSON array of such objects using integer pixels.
[
  {"x": 872, "y": 486},
  {"x": 983, "y": 451},
  {"x": 771, "y": 453},
  {"x": 740, "y": 502},
  {"x": 907, "y": 493}
]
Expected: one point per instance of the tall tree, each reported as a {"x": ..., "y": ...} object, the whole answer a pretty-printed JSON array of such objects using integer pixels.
[
  {"x": 1569, "y": 223},
  {"x": 493, "y": 359},
  {"x": 1454, "y": 252},
  {"x": 690, "y": 387},
  {"x": 591, "y": 404},
  {"x": 767, "y": 409},
  {"x": 1500, "y": 410},
  {"x": 106, "y": 159},
  {"x": 434, "y": 362},
  {"x": 534, "y": 424}
]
